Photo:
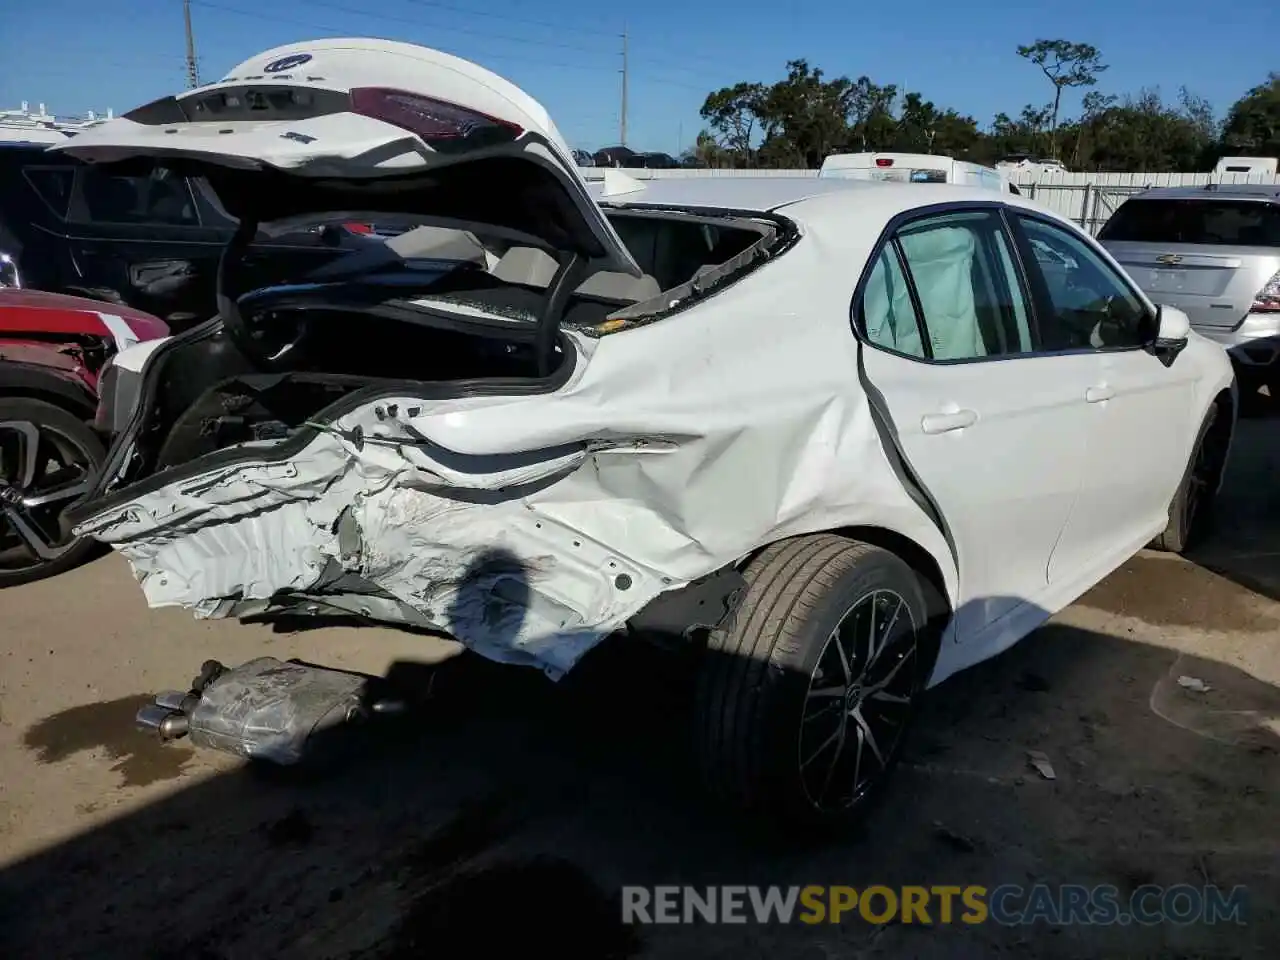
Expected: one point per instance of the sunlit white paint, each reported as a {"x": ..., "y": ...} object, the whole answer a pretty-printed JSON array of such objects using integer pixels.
[{"x": 531, "y": 527}]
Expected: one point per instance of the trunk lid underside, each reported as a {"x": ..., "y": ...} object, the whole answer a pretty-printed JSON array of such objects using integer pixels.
[{"x": 375, "y": 126}]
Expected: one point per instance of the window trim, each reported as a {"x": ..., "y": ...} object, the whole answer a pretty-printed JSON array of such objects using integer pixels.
[
  {"x": 889, "y": 237},
  {"x": 1040, "y": 289},
  {"x": 27, "y": 169},
  {"x": 78, "y": 210}
]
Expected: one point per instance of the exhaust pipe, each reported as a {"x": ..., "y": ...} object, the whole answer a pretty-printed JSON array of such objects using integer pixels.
[
  {"x": 265, "y": 709},
  {"x": 166, "y": 723}
]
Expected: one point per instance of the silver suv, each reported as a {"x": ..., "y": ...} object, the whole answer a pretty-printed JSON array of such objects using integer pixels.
[{"x": 1213, "y": 252}]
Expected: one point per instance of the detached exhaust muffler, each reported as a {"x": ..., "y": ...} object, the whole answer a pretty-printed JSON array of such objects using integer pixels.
[{"x": 266, "y": 709}]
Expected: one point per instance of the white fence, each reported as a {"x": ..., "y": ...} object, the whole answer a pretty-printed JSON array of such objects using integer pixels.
[{"x": 1087, "y": 198}]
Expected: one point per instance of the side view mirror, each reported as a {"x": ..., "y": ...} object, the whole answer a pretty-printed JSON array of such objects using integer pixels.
[{"x": 1172, "y": 329}]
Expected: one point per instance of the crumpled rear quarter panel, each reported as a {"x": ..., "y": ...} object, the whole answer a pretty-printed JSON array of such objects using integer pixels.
[{"x": 674, "y": 450}]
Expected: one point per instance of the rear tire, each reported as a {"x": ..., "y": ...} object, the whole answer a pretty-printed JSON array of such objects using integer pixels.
[
  {"x": 1190, "y": 511},
  {"x": 785, "y": 730},
  {"x": 76, "y": 455}
]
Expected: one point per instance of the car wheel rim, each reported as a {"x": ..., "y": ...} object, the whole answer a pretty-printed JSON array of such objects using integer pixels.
[
  {"x": 42, "y": 472},
  {"x": 858, "y": 701}
]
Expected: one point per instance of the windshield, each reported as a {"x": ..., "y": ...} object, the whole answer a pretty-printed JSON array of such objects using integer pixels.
[{"x": 1219, "y": 222}]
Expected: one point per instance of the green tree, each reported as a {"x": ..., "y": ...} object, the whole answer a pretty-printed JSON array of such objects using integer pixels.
[
  {"x": 1252, "y": 126},
  {"x": 1023, "y": 134},
  {"x": 708, "y": 152},
  {"x": 872, "y": 125},
  {"x": 805, "y": 117},
  {"x": 734, "y": 112},
  {"x": 923, "y": 128},
  {"x": 1065, "y": 64},
  {"x": 1143, "y": 133}
]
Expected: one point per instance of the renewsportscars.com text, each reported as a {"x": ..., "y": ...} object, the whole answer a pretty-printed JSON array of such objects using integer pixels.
[{"x": 1008, "y": 904}]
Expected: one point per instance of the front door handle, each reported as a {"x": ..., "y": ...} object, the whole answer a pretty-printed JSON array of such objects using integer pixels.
[
  {"x": 1099, "y": 393},
  {"x": 946, "y": 422}
]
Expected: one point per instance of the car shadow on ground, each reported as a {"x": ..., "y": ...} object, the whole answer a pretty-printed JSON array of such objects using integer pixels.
[
  {"x": 505, "y": 813},
  {"x": 1244, "y": 542}
]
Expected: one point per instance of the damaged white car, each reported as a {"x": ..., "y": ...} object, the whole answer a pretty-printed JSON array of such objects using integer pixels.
[{"x": 849, "y": 438}]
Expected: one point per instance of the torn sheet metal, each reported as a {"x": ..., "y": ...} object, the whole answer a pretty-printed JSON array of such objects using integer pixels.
[{"x": 532, "y": 527}]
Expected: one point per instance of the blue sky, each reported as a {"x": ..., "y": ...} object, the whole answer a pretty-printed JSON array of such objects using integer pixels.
[{"x": 77, "y": 55}]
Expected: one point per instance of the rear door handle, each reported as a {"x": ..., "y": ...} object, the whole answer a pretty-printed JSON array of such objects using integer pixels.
[
  {"x": 1098, "y": 394},
  {"x": 946, "y": 422}
]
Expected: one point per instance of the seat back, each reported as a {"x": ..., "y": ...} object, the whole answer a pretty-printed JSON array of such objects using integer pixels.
[
  {"x": 608, "y": 285},
  {"x": 526, "y": 265}
]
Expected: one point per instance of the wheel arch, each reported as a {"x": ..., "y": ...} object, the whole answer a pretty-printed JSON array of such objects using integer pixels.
[
  {"x": 938, "y": 599},
  {"x": 1227, "y": 401},
  {"x": 30, "y": 381},
  {"x": 915, "y": 555},
  {"x": 709, "y": 601}
]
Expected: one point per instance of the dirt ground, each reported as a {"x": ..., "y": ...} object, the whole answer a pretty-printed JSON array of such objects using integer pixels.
[{"x": 506, "y": 815}]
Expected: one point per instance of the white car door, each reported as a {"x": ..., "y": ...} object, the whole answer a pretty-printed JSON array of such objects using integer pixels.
[
  {"x": 994, "y": 434},
  {"x": 1139, "y": 409}
]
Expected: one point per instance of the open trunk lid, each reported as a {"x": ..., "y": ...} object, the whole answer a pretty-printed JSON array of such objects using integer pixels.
[{"x": 371, "y": 126}]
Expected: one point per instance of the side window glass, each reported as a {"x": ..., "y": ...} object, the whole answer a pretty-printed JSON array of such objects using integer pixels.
[
  {"x": 1091, "y": 305},
  {"x": 161, "y": 198},
  {"x": 970, "y": 295},
  {"x": 888, "y": 316},
  {"x": 53, "y": 186}
]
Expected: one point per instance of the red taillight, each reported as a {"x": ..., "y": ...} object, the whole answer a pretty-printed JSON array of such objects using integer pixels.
[
  {"x": 884, "y": 161},
  {"x": 433, "y": 120},
  {"x": 1267, "y": 300},
  {"x": 359, "y": 227}
]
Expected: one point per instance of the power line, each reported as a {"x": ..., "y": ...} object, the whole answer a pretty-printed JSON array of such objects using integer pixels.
[
  {"x": 172, "y": 68},
  {"x": 595, "y": 68},
  {"x": 577, "y": 48},
  {"x": 488, "y": 35},
  {"x": 624, "y": 37},
  {"x": 510, "y": 19}
]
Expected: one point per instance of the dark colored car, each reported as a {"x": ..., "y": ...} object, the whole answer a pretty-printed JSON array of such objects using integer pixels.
[
  {"x": 659, "y": 161},
  {"x": 632, "y": 160},
  {"x": 52, "y": 351},
  {"x": 150, "y": 241},
  {"x": 617, "y": 157}
]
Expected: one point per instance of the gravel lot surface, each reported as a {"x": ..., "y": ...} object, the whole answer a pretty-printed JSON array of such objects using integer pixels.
[{"x": 506, "y": 815}]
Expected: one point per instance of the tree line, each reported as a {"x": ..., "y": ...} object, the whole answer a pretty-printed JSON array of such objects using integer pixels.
[{"x": 801, "y": 119}]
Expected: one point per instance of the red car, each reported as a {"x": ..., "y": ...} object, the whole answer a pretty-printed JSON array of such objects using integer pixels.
[{"x": 52, "y": 350}]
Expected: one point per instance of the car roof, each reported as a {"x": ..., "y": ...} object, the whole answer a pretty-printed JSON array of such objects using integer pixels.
[
  {"x": 808, "y": 199},
  {"x": 736, "y": 193},
  {"x": 1233, "y": 191}
]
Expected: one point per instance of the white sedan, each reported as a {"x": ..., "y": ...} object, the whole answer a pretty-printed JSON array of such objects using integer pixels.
[{"x": 849, "y": 438}]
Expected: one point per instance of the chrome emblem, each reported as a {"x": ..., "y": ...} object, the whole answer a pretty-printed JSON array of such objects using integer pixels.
[{"x": 1169, "y": 259}]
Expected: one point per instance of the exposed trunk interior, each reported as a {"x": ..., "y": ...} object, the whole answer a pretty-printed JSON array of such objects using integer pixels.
[{"x": 440, "y": 308}]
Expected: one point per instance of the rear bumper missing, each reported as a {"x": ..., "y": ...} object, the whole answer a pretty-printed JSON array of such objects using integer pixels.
[{"x": 376, "y": 537}]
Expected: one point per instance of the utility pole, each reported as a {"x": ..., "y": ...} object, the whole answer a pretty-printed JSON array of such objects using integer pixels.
[
  {"x": 622, "y": 125},
  {"x": 193, "y": 74}
]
